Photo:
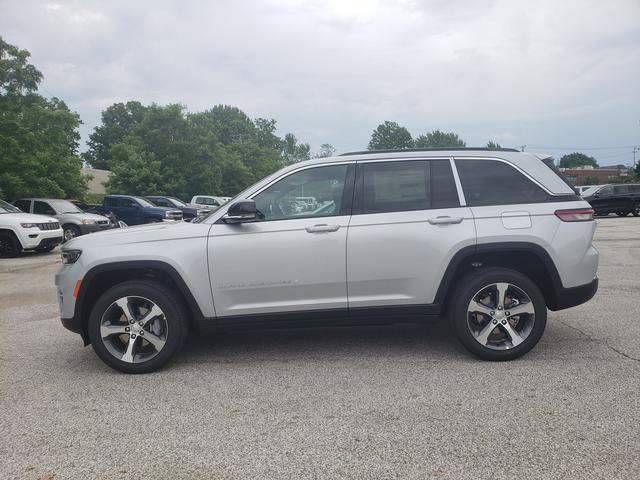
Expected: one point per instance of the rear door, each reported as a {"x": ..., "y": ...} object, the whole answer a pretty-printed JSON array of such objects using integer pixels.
[{"x": 407, "y": 223}]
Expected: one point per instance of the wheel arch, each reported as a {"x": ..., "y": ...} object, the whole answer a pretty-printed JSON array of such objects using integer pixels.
[
  {"x": 527, "y": 258},
  {"x": 102, "y": 277}
]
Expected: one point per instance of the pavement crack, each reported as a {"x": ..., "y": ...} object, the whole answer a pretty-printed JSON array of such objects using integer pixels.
[{"x": 599, "y": 342}]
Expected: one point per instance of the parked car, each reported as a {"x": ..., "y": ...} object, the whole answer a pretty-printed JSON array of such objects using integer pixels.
[
  {"x": 491, "y": 238},
  {"x": 74, "y": 221},
  {"x": 620, "y": 199},
  {"x": 189, "y": 211},
  {"x": 136, "y": 210},
  {"x": 23, "y": 231},
  {"x": 209, "y": 201}
]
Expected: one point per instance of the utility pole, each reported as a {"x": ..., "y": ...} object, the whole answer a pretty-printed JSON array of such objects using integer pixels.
[{"x": 635, "y": 150}]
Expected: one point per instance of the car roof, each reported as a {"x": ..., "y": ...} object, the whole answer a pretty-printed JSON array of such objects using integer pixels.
[{"x": 43, "y": 199}]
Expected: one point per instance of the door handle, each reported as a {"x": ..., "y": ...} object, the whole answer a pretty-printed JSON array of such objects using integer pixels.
[
  {"x": 444, "y": 220},
  {"x": 323, "y": 228}
]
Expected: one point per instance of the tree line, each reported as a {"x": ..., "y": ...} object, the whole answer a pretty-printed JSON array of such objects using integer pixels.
[{"x": 154, "y": 149}]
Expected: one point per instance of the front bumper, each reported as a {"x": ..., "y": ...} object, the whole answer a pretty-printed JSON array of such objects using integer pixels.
[
  {"x": 90, "y": 228},
  {"x": 571, "y": 297},
  {"x": 41, "y": 238}
]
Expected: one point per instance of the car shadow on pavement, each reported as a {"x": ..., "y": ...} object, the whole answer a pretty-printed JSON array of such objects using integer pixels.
[{"x": 433, "y": 339}]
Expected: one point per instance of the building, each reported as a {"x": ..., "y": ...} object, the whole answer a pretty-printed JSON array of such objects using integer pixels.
[
  {"x": 588, "y": 175},
  {"x": 96, "y": 179}
]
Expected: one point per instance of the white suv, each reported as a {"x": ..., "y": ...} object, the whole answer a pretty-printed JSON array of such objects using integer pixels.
[
  {"x": 489, "y": 238},
  {"x": 23, "y": 231}
]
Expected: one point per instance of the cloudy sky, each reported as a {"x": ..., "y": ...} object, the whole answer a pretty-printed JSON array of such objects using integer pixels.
[{"x": 553, "y": 75}]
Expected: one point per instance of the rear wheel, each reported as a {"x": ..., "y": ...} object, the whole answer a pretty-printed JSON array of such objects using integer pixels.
[
  {"x": 635, "y": 210},
  {"x": 9, "y": 245},
  {"x": 622, "y": 214},
  {"x": 498, "y": 313},
  {"x": 138, "y": 326}
]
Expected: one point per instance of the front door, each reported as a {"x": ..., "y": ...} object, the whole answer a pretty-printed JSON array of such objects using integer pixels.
[{"x": 294, "y": 257}]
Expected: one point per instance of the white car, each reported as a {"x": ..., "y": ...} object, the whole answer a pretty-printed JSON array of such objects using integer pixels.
[
  {"x": 489, "y": 238},
  {"x": 209, "y": 200},
  {"x": 24, "y": 231}
]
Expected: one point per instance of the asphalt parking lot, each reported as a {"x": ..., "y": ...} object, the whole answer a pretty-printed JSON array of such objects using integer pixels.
[{"x": 400, "y": 401}]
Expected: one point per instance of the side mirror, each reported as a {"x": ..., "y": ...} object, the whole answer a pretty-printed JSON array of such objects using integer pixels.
[
  {"x": 241, "y": 211},
  {"x": 596, "y": 195}
]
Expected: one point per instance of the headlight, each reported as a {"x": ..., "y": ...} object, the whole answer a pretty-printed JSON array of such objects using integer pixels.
[
  {"x": 28, "y": 225},
  {"x": 88, "y": 222},
  {"x": 70, "y": 256}
]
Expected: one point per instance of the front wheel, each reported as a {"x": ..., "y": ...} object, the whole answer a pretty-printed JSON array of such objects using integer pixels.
[
  {"x": 622, "y": 214},
  {"x": 138, "y": 326},
  {"x": 635, "y": 210},
  {"x": 69, "y": 232},
  {"x": 9, "y": 246},
  {"x": 498, "y": 313}
]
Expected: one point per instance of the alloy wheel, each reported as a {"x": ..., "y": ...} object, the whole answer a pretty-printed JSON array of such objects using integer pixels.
[
  {"x": 134, "y": 329},
  {"x": 69, "y": 234},
  {"x": 500, "y": 316}
]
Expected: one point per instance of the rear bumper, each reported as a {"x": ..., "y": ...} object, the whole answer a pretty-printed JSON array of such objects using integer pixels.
[{"x": 570, "y": 297}]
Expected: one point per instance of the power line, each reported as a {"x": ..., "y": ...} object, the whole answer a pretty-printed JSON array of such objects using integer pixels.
[{"x": 546, "y": 147}]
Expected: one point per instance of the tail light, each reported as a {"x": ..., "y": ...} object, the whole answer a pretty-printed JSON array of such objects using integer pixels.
[{"x": 575, "y": 215}]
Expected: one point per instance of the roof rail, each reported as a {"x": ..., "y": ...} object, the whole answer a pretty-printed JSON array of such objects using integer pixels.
[{"x": 430, "y": 149}]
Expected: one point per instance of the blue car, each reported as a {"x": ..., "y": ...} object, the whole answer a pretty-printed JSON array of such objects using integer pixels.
[{"x": 136, "y": 210}]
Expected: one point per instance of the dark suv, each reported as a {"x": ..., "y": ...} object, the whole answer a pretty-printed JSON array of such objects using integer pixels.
[
  {"x": 189, "y": 211},
  {"x": 619, "y": 199},
  {"x": 136, "y": 210}
]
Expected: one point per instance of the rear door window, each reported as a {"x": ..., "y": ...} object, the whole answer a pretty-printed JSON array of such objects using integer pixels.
[
  {"x": 395, "y": 186},
  {"x": 492, "y": 182},
  {"x": 24, "y": 205},
  {"x": 443, "y": 186},
  {"x": 621, "y": 189}
]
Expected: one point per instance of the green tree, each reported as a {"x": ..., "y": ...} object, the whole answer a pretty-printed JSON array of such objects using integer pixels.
[
  {"x": 117, "y": 122},
  {"x": 293, "y": 151},
  {"x": 491, "y": 145},
  {"x": 439, "y": 139},
  {"x": 219, "y": 151},
  {"x": 326, "y": 150},
  {"x": 390, "y": 135},
  {"x": 577, "y": 159},
  {"x": 38, "y": 136}
]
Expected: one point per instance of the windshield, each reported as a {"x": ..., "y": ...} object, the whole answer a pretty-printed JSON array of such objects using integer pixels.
[
  {"x": 8, "y": 208},
  {"x": 64, "y": 206},
  {"x": 144, "y": 202},
  {"x": 590, "y": 191},
  {"x": 177, "y": 202}
]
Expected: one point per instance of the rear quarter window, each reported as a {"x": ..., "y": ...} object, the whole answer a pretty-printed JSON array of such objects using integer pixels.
[{"x": 491, "y": 182}]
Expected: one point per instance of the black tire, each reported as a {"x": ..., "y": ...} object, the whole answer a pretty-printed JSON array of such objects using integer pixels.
[
  {"x": 622, "y": 214},
  {"x": 472, "y": 283},
  {"x": 175, "y": 315},
  {"x": 69, "y": 232},
  {"x": 9, "y": 245},
  {"x": 635, "y": 210},
  {"x": 45, "y": 249}
]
